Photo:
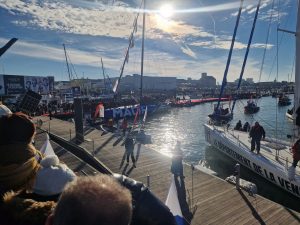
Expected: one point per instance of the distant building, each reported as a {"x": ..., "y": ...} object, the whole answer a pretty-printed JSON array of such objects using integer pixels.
[
  {"x": 249, "y": 80},
  {"x": 149, "y": 83},
  {"x": 207, "y": 81}
]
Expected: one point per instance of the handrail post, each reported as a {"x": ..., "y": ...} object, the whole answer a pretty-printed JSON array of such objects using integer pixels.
[
  {"x": 237, "y": 176},
  {"x": 148, "y": 181}
]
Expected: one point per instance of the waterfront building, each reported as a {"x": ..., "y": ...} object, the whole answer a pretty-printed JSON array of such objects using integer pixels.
[
  {"x": 207, "y": 81},
  {"x": 133, "y": 83}
]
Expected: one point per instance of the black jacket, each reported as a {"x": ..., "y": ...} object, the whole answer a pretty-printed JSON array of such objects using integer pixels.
[{"x": 257, "y": 132}]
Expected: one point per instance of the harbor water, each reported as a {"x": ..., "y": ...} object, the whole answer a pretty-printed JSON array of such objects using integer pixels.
[{"x": 186, "y": 125}]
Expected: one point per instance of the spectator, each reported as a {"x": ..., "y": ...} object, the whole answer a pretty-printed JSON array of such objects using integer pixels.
[
  {"x": 296, "y": 158},
  {"x": 98, "y": 200},
  {"x": 246, "y": 127},
  {"x": 238, "y": 125},
  {"x": 129, "y": 148},
  {"x": 296, "y": 153},
  {"x": 177, "y": 167},
  {"x": 257, "y": 132},
  {"x": 124, "y": 125}
]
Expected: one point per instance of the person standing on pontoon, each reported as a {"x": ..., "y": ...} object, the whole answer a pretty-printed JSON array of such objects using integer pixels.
[
  {"x": 296, "y": 153},
  {"x": 177, "y": 167},
  {"x": 296, "y": 158},
  {"x": 257, "y": 132}
]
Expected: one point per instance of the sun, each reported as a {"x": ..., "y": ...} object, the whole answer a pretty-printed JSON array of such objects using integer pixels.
[{"x": 166, "y": 11}]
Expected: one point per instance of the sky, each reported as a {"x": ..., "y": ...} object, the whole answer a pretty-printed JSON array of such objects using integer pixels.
[{"x": 183, "y": 38}]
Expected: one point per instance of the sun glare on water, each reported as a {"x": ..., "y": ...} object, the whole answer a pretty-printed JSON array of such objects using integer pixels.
[{"x": 166, "y": 11}]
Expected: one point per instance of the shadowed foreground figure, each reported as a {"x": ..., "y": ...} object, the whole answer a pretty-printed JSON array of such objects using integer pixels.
[{"x": 93, "y": 200}]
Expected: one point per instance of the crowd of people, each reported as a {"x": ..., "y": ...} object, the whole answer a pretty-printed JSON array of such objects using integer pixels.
[
  {"x": 38, "y": 189},
  {"x": 239, "y": 126}
]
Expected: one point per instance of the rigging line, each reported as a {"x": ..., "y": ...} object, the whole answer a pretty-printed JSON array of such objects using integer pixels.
[
  {"x": 266, "y": 45},
  {"x": 229, "y": 55},
  {"x": 277, "y": 67},
  {"x": 247, "y": 52},
  {"x": 293, "y": 67},
  {"x": 281, "y": 39},
  {"x": 214, "y": 24}
]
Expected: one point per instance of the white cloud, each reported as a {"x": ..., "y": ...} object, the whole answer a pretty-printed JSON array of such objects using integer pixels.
[{"x": 40, "y": 51}]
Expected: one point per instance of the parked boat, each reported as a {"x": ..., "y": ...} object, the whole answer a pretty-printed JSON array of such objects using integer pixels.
[
  {"x": 290, "y": 114},
  {"x": 251, "y": 107},
  {"x": 284, "y": 100},
  {"x": 274, "y": 161}
]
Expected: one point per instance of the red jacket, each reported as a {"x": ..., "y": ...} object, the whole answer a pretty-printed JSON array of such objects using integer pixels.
[{"x": 296, "y": 150}]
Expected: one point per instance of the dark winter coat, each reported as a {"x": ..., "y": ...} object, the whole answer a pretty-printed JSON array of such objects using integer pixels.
[
  {"x": 24, "y": 209},
  {"x": 257, "y": 132},
  {"x": 296, "y": 150},
  {"x": 129, "y": 144}
]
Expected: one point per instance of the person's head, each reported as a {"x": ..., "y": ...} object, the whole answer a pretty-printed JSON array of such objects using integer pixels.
[
  {"x": 256, "y": 124},
  {"x": 16, "y": 128},
  {"x": 93, "y": 200}
]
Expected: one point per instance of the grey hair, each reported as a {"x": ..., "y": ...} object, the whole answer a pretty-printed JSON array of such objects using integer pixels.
[{"x": 94, "y": 200}]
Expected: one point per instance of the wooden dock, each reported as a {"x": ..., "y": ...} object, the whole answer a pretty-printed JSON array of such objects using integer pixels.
[{"x": 216, "y": 201}]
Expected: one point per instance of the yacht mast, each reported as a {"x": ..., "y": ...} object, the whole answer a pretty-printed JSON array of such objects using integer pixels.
[
  {"x": 69, "y": 73},
  {"x": 297, "y": 65},
  {"x": 142, "y": 55}
]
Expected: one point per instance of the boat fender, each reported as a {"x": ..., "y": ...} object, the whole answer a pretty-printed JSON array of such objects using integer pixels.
[{"x": 246, "y": 185}]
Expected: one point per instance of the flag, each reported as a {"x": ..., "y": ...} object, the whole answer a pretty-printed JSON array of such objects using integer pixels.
[
  {"x": 131, "y": 43},
  {"x": 136, "y": 116},
  {"x": 116, "y": 86},
  {"x": 173, "y": 203},
  {"x": 101, "y": 111},
  {"x": 127, "y": 56},
  {"x": 145, "y": 115},
  {"x": 135, "y": 25},
  {"x": 47, "y": 149}
]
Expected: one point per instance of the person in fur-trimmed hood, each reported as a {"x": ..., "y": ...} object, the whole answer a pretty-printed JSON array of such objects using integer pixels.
[{"x": 29, "y": 182}]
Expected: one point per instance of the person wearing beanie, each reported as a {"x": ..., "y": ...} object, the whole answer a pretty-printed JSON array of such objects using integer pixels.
[
  {"x": 52, "y": 177},
  {"x": 18, "y": 157},
  {"x": 29, "y": 182}
]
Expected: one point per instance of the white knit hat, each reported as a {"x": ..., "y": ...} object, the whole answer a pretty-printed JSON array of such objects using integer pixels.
[
  {"x": 52, "y": 177},
  {"x": 4, "y": 111}
]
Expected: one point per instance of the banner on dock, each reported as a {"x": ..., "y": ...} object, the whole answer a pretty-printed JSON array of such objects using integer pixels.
[
  {"x": 39, "y": 85},
  {"x": 14, "y": 84}
]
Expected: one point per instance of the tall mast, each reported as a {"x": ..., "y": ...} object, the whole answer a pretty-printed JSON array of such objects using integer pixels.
[
  {"x": 247, "y": 52},
  {"x": 297, "y": 64},
  {"x": 224, "y": 82},
  {"x": 69, "y": 73},
  {"x": 105, "y": 86},
  {"x": 142, "y": 56}
]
